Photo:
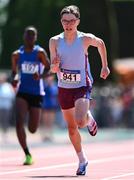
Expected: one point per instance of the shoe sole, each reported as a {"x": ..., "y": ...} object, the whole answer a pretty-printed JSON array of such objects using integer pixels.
[{"x": 27, "y": 164}]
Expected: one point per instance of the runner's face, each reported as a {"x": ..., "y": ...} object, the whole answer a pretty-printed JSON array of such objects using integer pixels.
[
  {"x": 69, "y": 22},
  {"x": 30, "y": 37}
]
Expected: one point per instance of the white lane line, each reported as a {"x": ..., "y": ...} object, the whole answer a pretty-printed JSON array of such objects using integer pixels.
[
  {"x": 97, "y": 161},
  {"x": 119, "y": 176},
  {"x": 38, "y": 169}
]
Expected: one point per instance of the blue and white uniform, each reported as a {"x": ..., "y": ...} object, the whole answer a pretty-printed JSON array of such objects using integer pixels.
[
  {"x": 28, "y": 64},
  {"x": 74, "y": 67}
]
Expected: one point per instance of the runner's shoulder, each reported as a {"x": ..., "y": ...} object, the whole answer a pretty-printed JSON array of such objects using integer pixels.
[
  {"x": 56, "y": 37},
  {"x": 15, "y": 54},
  {"x": 86, "y": 35}
]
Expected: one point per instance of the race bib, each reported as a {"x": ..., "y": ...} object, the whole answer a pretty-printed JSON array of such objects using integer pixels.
[
  {"x": 29, "y": 68},
  {"x": 70, "y": 76}
]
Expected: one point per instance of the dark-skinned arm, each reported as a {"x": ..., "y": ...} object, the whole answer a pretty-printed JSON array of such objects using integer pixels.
[
  {"x": 14, "y": 73},
  {"x": 43, "y": 57}
]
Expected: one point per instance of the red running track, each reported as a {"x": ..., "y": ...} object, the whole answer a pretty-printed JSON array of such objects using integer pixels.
[{"x": 107, "y": 161}]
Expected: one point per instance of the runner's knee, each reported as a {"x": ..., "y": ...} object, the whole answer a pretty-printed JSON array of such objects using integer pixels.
[
  {"x": 32, "y": 130},
  {"x": 81, "y": 123}
]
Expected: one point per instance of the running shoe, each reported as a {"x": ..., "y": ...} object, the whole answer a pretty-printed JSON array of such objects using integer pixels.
[
  {"x": 28, "y": 160},
  {"x": 93, "y": 128},
  {"x": 82, "y": 169}
]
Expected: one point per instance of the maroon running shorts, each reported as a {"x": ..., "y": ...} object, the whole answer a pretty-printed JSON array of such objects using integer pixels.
[{"x": 67, "y": 97}]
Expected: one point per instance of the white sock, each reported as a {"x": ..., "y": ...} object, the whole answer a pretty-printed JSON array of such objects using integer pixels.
[
  {"x": 82, "y": 157},
  {"x": 91, "y": 119}
]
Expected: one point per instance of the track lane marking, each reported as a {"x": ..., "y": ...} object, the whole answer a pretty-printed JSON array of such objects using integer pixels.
[
  {"x": 118, "y": 176},
  {"x": 97, "y": 161}
]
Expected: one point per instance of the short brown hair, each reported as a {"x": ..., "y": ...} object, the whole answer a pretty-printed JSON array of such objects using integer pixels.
[{"x": 70, "y": 10}]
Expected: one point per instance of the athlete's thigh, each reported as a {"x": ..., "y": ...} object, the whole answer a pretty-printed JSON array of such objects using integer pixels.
[
  {"x": 34, "y": 117},
  {"x": 21, "y": 108},
  {"x": 69, "y": 116},
  {"x": 35, "y": 103},
  {"x": 81, "y": 108}
]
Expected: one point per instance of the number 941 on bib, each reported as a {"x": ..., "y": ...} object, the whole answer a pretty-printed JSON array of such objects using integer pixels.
[{"x": 70, "y": 76}]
